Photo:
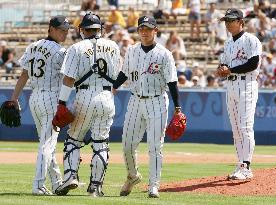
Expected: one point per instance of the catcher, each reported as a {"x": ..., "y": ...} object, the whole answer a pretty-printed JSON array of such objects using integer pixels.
[{"x": 41, "y": 64}]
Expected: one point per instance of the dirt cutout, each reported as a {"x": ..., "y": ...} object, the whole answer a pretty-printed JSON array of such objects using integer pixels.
[{"x": 262, "y": 184}]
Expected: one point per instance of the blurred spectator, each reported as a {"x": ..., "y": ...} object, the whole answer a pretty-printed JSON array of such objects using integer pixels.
[
  {"x": 272, "y": 45},
  {"x": 161, "y": 38},
  {"x": 91, "y": 5},
  {"x": 132, "y": 20},
  {"x": 113, "y": 3},
  {"x": 175, "y": 10},
  {"x": 195, "y": 80},
  {"x": 116, "y": 17},
  {"x": 215, "y": 28},
  {"x": 211, "y": 17},
  {"x": 125, "y": 44},
  {"x": 194, "y": 17},
  {"x": 175, "y": 44},
  {"x": 162, "y": 5},
  {"x": 211, "y": 82},
  {"x": 270, "y": 65},
  {"x": 197, "y": 71},
  {"x": 7, "y": 57},
  {"x": 75, "y": 35},
  {"x": 183, "y": 82},
  {"x": 108, "y": 30}
]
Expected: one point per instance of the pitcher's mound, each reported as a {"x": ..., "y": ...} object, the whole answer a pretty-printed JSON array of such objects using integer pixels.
[{"x": 263, "y": 183}]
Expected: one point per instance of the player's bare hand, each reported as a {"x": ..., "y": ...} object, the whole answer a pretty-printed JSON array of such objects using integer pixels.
[
  {"x": 177, "y": 110},
  {"x": 114, "y": 91}
]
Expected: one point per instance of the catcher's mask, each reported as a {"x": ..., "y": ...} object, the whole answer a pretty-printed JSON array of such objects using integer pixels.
[{"x": 92, "y": 21}]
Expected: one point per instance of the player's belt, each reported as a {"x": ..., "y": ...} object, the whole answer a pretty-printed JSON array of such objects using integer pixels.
[
  {"x": 236, "y": 77},
  {"x": 144, "y": 97},
  {"x": 86, "y": 87}
]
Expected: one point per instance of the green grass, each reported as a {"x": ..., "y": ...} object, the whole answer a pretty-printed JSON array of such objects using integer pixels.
[
  {"x": 168, "y": 147},
  {"x": 16, "y": 179}
]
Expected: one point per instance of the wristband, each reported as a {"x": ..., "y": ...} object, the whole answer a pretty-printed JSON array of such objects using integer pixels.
[{"x": 65, "y": 92}]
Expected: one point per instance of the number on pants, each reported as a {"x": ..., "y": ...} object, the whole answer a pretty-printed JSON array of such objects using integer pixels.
[{"x": 41, "y": 64}]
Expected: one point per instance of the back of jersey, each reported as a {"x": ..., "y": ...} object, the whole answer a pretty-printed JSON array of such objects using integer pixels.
[
  {"x": 43, "y": 60},
  {"x": 80, "y": 59}
]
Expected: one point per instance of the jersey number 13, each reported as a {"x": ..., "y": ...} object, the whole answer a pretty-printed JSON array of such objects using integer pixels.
[{"x": 39, "y": 72}]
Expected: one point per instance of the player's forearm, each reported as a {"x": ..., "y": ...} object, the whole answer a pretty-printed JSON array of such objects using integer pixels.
[
  {"x": 66, "y": 89},
  {"x": 249, "y": 66},
  {"x": 120, "y": 80},
  {"x": 174, "y": 93},
  {"x": 20, "y": 85}
]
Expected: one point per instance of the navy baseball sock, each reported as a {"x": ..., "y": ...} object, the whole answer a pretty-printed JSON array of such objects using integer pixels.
[{"x": 248, "y": 163}]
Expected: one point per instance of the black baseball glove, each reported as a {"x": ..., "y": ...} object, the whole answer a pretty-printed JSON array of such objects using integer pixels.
[{"x": 10, "y": 114}]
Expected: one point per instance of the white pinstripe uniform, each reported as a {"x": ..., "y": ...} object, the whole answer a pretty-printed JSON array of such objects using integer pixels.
[
  {"x": 148, "y": 74},
  {"x": 43, "y": 60},
  {"x": 93, "y": 107},
  {"x": 242, "y": 93}
]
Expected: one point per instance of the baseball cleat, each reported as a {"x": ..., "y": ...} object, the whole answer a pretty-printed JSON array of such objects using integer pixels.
[
  {"x": 64, "y": 188},
  {"x": 130, "y": 183},
  {"x": 242, "y": 174},
  {"x": 153, "y": 192},
  {"x": 95, "y": 191},
  {"x": 41, "y": 191}
]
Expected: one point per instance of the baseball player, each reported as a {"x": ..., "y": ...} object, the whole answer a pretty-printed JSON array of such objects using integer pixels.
[
  {"x": 240, "y": 63},
  {"x": 149, "y": 67},
  {"x": 94, "y": 104},
  {"x": 41, "y": 64}
]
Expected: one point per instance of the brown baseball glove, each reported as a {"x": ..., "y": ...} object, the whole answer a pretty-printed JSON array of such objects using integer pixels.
[{"x": 10, "y": 114}]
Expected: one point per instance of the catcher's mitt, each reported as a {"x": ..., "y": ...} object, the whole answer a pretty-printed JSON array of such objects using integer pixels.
[
  {"x": 177, "y": 126},
  {"x": 63, "y": 117},
  {"x": 10, "y": 114}
]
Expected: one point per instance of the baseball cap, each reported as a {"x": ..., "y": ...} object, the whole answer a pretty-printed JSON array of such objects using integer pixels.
[
  {"x": 91, "y": 21},
  {"x": 196, "y": 78},
  {"x": 147, "y": 21},
  {"x": 232, "y": 13},
  {"x": 60, "y": 21}
]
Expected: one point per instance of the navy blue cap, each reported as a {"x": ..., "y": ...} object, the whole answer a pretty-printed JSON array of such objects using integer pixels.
[
  {"x": 91, "y": 21},
  {"x": 232, "y": 14},
  {"x": 60, "y": 21},
  {"x": 147, "y": 21}
]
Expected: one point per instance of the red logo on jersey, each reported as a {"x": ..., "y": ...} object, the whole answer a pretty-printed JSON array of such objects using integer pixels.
[
  {"x": 240, "y": 55},
  {"x": 152, "y": 69}
]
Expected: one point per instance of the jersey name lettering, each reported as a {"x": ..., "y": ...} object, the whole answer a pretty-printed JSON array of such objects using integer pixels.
[{"x": 42, "y": 50}]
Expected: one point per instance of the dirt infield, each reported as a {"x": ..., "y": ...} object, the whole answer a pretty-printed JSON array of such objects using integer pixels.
[
  {"x": 177, "y": 157},
  {"x": 263, "y": 183}
]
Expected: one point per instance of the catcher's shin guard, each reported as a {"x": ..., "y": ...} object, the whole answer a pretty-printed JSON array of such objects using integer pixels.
[
  {"x": 71, "y": 160},
  {"x": 99, "y": 164}
]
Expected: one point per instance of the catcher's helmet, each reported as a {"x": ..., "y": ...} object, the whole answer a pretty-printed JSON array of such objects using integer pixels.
[{"x": 91, "y": 21}]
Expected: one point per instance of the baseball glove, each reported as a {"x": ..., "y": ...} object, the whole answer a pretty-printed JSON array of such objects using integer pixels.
[
  {"x": 177, "y": 126},
  {"x": 63, "y": 117},
  {"x": 10, "y": 114}
]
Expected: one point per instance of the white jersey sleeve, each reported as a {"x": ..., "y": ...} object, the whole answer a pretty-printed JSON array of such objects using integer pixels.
[
  {"x": 71, "y": 63},
  {"x": 170, "y": 73},
  {"x": 24, "y": 60},
  {"x": 125, "y": 67},
  {"x": 254, "y": 47}
]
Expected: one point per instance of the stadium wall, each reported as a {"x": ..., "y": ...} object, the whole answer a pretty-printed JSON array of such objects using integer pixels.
[{"x": 205, "y": 109}]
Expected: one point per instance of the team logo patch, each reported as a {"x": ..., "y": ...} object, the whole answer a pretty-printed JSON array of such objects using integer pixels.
[
  {"x": 153, "y": 68},
  {"x": 241, "y": 55},
  {"x": 146, "y": 19}
]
